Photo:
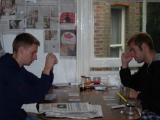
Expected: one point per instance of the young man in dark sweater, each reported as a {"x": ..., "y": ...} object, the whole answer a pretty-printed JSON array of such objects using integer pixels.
[
  {"x": 147, "y": 79},
  {"x": 19, "y": 86}
]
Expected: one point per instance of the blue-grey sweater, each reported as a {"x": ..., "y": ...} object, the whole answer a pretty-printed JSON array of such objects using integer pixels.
[{"x": 19, "y": 86}]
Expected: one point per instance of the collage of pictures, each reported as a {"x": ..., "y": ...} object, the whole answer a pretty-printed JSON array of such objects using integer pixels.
[{"x": 56, "y": 19}]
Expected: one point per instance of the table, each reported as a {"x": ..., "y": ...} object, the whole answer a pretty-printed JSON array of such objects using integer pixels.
[{"x": 91, "y": 96}]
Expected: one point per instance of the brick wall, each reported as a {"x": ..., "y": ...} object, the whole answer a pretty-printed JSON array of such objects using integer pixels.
[
  {"x": 102, "y": 28},
  {"x": 133, "y": 19}
]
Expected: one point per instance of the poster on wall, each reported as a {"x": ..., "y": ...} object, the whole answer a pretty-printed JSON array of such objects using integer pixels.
[
  {"x": 44, "y": 16},
  {"x": 67, "y": 17},
  {"x": 32, "y": 16},
  {"x": 46, "y": 22},
  {"x": 7, "y": 7},
  {"x": 51, "y": 43},
  {"x": 47, "y": 15},
  {"x": 68, "y": 41},
  {"x": 16, "y": 24}
]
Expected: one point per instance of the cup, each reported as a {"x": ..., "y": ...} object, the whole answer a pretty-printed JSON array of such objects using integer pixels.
[
  {"x": 96, "y": 80},
  {"x": 131, "y": 112}
]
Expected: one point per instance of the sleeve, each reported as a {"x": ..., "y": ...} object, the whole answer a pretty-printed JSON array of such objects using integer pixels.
[
  {"x": 134, "y": 81},
  {"x": 151, "y": 95},
  {"x": 33, "y": 89},
  {"x": 155, "y": 81}
]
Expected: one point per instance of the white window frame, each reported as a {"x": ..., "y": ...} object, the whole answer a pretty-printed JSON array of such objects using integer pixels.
[
  {"x": 84, "y": 36},
  {"x": 85, "y": 42},
  {"x": 108, "y": 61},
  {"x": 121, "y": 46}
]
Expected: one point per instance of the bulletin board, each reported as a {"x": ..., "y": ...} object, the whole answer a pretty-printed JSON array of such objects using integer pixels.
[{"x": 57, "y": 19}]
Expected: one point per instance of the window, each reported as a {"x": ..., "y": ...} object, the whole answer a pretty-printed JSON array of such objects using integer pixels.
[
  {"x": 117, "y": 42},
  {"x": 103, "y": 29},
  {"x": 109, "y": 35},
  {"x": 110, "y": 25}
]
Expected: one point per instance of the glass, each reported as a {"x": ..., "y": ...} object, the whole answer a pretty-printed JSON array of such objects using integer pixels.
[
  {"x": 131, "y": 112},
  {"x": 82, "y": 87},
  {"x": 96, "y": 80}
]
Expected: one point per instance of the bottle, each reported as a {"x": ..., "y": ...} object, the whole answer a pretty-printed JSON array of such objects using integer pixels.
[{"x": 82, "y": 85}]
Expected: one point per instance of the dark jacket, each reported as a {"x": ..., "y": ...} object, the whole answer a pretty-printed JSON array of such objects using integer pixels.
[
  {"x": 18, "y": 87},
  {"x": 147, "y": 81}
]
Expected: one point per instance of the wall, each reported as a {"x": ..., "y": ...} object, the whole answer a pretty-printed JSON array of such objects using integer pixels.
[{"x": 102, "y": 29}]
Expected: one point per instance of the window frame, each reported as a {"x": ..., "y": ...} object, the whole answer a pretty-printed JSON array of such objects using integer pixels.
[
  {"x": 121, "y": 45},
  {"x": 107, "y": 61},
  {"x": 85, "y": 43}
]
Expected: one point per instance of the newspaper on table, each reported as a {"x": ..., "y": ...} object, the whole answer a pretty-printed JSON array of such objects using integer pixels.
[
  {"x": 76, "y": 110},
  {"x": 32, "y": 108}
]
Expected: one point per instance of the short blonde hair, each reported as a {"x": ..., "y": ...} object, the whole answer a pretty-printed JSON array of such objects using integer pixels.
[{"x": 24, "y": 39}]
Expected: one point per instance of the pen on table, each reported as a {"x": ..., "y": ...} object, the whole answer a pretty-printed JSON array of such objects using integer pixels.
[{"x": 122, "y": 97}]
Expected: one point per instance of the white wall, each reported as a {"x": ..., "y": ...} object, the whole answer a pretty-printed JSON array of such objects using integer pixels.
[{"x": 65, "y": 70}]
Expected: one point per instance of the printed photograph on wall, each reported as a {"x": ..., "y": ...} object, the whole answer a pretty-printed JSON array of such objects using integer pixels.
[
  {"x": 49, "y": 16},
  {"x": 16, "y": 24},
  {"x": 51, "y": 43},
  {"x": 46, "y": 22},
  {"x": 68, "y": 41},
  {"x": 67, "y": 17},
  {"x": 32, "y": 17},
  {"x": 7, "y": 7}
]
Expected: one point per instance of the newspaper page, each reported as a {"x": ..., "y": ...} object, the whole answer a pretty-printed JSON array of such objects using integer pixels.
[
  {"x": 75, "y": 110},
  {"x": 31, "y": 108}
]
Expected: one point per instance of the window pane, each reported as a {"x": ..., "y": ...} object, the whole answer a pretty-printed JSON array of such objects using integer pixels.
[
  {"x": 116, "y": 26},
  {"x": 114, "y": 52}
]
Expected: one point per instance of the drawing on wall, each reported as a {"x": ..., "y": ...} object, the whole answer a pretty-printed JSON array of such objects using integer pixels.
[
  {"x": 16, "y": 24},
  {"x": 68, "y": 43},
  {"x": 67, "y": 17},
  {"x": 7, "y": 7},
  {"x": 51, "y": 43}
]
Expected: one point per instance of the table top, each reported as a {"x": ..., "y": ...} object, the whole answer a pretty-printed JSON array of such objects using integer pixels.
[{"x": 65, "y": 94}]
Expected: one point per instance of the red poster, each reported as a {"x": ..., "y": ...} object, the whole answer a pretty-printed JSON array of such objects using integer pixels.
[{"x": 67, "y": 17}]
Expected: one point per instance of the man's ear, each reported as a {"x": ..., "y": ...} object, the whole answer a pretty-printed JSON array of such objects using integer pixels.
[{"x": 21, "y": 50}]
